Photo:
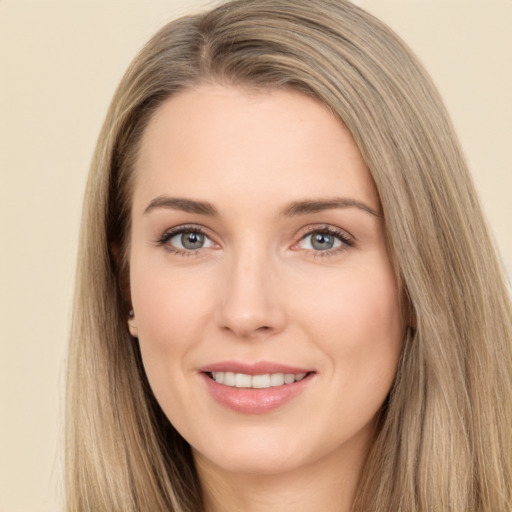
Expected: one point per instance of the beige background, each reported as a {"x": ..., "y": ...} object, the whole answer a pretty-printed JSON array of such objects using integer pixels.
[{"x": 59, "y": 64}]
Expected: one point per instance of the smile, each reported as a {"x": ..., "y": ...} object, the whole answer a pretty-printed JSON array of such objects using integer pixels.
[
  {"x": 256, "y": 388},
  {"x": 261, "y": 381}
]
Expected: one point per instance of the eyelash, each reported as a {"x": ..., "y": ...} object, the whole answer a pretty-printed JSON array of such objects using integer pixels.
[
  {"x": 164, "y": 239},
  {"x": 346, "y": 240}
]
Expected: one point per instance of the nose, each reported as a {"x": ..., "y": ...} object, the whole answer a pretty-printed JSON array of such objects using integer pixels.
[{"x": 251, "y": 305}]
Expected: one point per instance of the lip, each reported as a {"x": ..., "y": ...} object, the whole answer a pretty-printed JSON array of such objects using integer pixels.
[
  {"x": 258, "y": 368},
  {"x": 254, "y": 401}
]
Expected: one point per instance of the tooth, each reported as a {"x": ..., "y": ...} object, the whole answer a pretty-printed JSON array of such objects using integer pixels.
[
  {"x": 229, "y": 379},
  {"x": 277, "y": 379},
  {"x": 261, "y": 381},
  {"x": 242, "y": 380},
  {"x": 289, "y": 378}
]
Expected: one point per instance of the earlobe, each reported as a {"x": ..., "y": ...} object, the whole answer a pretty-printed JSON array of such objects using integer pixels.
[
  {"x": 132, "y": 327},
  {"x": 122, "y": 275},
  {"x": 124, "y": 286}
]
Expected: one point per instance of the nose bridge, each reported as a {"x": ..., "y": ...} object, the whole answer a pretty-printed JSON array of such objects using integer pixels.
[{"x": 250, "y": 302}]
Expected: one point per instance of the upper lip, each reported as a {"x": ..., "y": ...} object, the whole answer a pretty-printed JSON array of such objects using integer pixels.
[{"x": 257, "y": 368}]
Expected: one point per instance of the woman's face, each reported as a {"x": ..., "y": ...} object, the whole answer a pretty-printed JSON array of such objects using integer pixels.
[{"x": 258, "y": 259}]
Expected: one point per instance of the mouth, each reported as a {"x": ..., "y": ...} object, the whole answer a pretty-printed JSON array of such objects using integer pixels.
[
  {"x": 256, "y": 381},
  {"x": 255, "y": 388}
]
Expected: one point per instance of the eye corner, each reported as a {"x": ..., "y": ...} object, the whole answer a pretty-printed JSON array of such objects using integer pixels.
[
  {"x": 201, "y": 239},
  {"x": 336, "y": 240}
]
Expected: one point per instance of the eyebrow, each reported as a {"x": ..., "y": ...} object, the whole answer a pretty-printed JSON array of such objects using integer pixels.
[
  {"x": 319, "y": 205},
  {"x": 294, "y": 209},
  {"x": 185, "y": 205}
]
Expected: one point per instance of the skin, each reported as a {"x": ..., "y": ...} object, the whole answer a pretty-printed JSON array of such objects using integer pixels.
[{"x": 258, "y": 290}]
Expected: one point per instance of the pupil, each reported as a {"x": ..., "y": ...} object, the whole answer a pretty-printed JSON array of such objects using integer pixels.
[
  {"x": 322, "y": 241},
  {"x": 192, "y": 240}
]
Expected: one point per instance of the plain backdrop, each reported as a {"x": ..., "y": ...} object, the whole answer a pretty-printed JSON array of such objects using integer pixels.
[{"x": 60, "y": 62}]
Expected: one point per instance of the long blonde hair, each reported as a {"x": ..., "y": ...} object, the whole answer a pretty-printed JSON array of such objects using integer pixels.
[{"x": 445, "y": 435}]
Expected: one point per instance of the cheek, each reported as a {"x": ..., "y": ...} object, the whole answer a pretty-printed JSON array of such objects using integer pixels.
[
  {"x": 356, "y": 320},
  {"x": 171, "y": 310},
  {"x": 169, "y": 305}
]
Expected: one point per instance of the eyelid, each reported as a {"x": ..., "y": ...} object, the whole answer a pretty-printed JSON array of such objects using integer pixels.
[
  {"x": 324, "y": 227},
  {"x": 347, "y": 240},
  {"x": 168, "y": 234}
]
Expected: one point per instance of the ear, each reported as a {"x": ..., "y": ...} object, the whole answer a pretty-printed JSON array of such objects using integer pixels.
[
  {"x": 408, "y": 312},
  {"x": 122, "y": 274},
  {"x": 410, "y": 319},
  {"x": 132, "y": 326}
]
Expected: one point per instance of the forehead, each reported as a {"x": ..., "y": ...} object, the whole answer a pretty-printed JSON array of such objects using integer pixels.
[{"x": 227, "y": 143}]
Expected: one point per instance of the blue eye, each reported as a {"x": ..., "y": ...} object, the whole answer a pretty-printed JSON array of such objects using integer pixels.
[
  {"x": 185, "y": 239},
  {"x": 325, "y": 239},
  {"x": 189, "y": 240}
]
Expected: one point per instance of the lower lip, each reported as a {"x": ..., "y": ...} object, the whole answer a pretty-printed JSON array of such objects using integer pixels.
[{"x": 255, "y": 401}]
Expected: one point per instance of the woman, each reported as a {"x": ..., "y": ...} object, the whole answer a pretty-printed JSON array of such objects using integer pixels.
[{"x": 287, "y": 296}]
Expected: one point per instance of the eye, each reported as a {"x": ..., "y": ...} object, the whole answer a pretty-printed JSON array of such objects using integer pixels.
[
  {"x": 184, "y": 240},
  {"x": 320, "y": 241},
  {"x": 189, "y": 240},
  {"x": 327, "y": 239}
]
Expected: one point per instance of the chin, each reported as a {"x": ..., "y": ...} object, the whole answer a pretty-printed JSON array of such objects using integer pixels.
[
  {"x": 254, "y": 454},
  {"x": 250, "y": 462}
]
